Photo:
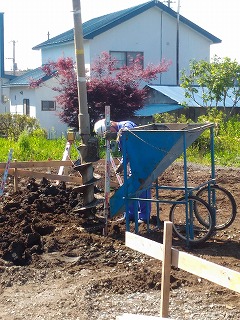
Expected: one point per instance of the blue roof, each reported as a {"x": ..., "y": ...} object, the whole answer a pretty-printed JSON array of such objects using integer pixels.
[
  {"x": 177, "y": 94},
  {"x": 98, "y": 25},
  {"x": 151, "y": 109},
  {"x": 24, "y": 80}
]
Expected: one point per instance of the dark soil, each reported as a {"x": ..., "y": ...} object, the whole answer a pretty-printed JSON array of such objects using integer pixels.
[{"x": 40, "y": 230}]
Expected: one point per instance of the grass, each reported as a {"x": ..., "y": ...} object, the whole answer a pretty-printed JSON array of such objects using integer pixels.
[
  {"x": 226, "y": 145},
  {"x": 35, "y": 149}
]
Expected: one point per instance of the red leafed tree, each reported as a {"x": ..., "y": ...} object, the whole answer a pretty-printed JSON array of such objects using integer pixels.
[{"x": 121, "y": 88}]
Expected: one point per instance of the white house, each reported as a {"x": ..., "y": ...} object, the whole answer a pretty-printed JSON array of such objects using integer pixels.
[
  {"x": 150, "y": 29},
  {"x": 39, "y": 103}
]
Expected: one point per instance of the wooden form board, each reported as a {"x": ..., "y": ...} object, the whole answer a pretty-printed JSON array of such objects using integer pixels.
[
  {"x": 17, "y": 170},
  {"x": 202, "y": 268},
  {"x": 40, "y": 175},
  {"x": 37, "y": 164}
]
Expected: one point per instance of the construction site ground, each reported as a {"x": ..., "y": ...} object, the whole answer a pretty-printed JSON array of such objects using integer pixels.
[{"x": 55, "y": 264}]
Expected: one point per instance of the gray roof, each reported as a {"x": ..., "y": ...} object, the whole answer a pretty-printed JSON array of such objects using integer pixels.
[
  {"x": 25, "y": 79},
  {"x": 177, "y": 94},
  {"x": 96, "y": 26}
]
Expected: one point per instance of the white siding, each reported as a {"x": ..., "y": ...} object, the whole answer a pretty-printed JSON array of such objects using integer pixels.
[
  {"x": 4, "y": 94},
  {"x": 155, "y": 33},
  {"x": 48, "y": 120},
  {"x": 55, "y": 52},
  {"x": 64, "y": 50},
  {"x": 17, "y": 95}
]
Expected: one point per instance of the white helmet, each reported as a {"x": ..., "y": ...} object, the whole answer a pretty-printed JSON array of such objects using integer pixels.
[{"x": 100, "y": 127}]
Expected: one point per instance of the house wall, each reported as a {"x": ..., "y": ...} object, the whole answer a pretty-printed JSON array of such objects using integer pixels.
[
  {"x": 54, "y": 52},
  {"x": 66, "y": 50},
  {"x": 4, "y": 97},
  {"x": 48, "y": 120},
  {"x": 17, "y": 94},
  {"x": 153, "y": 32},
  {"x": 192, "y": 45}
]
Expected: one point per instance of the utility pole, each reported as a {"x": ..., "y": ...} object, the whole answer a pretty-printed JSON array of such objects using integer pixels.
[
  {"x": 14, "y": 65},
  {"x": 83, "y": 117},
  {"x": 168, "y": 3}
]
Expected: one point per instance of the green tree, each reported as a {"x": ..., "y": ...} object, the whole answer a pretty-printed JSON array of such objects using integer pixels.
[
  {"x": 215, "y": 81},
  {"x": 12, "y": 125}
]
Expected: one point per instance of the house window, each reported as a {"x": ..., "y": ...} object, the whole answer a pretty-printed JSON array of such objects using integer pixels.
[
  {"x": 48, "y": 105},
  {"x": 26, "y": 107},
  {"x": 125, "y": 58}
]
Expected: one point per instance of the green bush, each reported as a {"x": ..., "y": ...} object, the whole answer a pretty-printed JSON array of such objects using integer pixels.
[
  {"x": 12, "y": 125},
  {"x": 226, "y": 138}
]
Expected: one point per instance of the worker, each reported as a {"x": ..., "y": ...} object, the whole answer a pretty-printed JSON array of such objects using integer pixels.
[{"x": 115, "y": 132}]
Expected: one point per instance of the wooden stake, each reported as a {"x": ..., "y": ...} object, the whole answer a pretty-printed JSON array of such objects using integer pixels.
[
  {"x": 166, "y": 269},
  {"x": 15, "y": 178},
  {"x": 5, "y": 174}
]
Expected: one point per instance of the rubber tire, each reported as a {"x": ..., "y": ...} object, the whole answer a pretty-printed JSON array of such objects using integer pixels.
[
  {"x": 203, "y": 193},
  {"x": 210, "y": 226}
]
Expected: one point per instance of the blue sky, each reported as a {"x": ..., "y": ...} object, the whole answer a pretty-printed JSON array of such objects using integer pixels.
[{"x": 28, "y": 22}]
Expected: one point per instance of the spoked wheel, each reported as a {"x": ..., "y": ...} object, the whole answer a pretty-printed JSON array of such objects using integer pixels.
[
  {"x": 191, "y": 229},
  {"x": 223, "y": 204}
]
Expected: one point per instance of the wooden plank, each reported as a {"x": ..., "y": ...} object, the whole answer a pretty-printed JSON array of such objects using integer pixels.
[
  {"x": 207, "y": 270},
  {"x": 49, "y": 176},
  {"x": 166, "y": 269},
  {"x": 144, "y": 245},
  {"x": 37, "y": 164},
  {"x": 10, "y": 171},
  {"x": 202, "y": 268}
]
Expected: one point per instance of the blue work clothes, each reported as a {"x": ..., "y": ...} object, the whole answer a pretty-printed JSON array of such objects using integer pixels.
[
  {"x": 144, "y": 207},
  {"x": 121, "y": 125}
]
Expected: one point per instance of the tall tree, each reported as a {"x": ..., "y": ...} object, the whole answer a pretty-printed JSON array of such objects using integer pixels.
[
  {"x": 121, "y": 88},
  {"x": 218, "y": 80}
]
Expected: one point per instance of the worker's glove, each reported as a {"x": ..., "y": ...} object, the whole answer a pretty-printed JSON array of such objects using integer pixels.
[
  {"x": 119, "y": 168},
  {"x": 110, "y": 135}
]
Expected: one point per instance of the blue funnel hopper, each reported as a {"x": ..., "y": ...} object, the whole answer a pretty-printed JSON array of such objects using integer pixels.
[{"x": 150, "y": 150}]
